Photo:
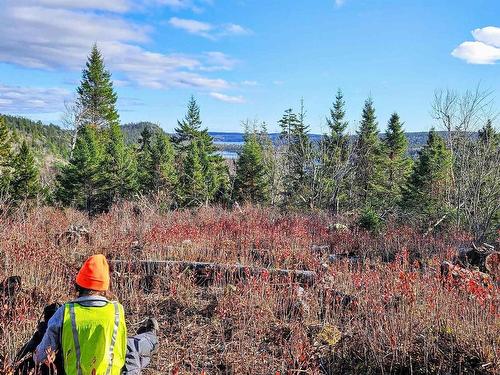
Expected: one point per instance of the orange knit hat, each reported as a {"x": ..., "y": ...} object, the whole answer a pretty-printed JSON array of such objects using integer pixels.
[{"x": 94, "y": 274}]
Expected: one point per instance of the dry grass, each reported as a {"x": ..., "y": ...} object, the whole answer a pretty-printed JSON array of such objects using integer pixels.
[{"x": 401, "y": 318}]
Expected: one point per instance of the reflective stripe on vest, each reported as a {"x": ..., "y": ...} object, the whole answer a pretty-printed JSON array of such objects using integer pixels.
[{"x": 93, "y": 339}]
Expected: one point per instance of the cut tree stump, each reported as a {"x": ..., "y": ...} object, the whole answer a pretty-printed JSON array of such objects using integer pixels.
[{"x": 205, "y": 272}]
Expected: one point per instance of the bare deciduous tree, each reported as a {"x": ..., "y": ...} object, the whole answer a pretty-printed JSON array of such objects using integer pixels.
[{"x": 475, "y": 188}]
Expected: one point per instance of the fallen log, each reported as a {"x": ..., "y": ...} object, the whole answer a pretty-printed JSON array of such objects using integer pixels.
[{"x": 205, "y": 271}]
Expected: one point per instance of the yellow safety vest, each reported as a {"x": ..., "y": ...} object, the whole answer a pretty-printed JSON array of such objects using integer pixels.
[{"x": 94, "y": 339}]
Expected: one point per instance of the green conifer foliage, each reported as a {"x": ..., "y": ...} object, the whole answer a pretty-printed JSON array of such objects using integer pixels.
[
  {"x": 298, "y": 148},
  {"x": 25, "y": 183},
  {"x": 213, "y": 168},
  {"x": 77, "y": 180},
  {"x": 157, "y": 172},
  {"x": 117, "y": 175},
  {"x": 96, "y": 94},
  {"x": 251, "y": 181},
  {"x": 428, "y": 185},
  {"x": 398, "y": 163},
  {"x": 188, "y": 128},
  {"x": 335, "y": 154},
  {"x": 369, "y": 159},
  {"x": 5, "y": 156},
  {"x": 193, "y": 188}
]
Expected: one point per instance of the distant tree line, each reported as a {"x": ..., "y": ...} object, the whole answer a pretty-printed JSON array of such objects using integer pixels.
[{"x": 456, "y": 178}]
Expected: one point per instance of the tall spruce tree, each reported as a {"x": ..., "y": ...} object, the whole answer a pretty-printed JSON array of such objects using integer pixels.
[
  {"x": 426, "y": 194},
  {"x": 76, "y": 184},
  {"x": 96, "y": 96},
  {"x": 335, "y": 154},
  {"x": 398, "y": 163},
  {"x": 25, "y": 180},
  {"x": 369, "y": 163},
  {"x": 107, "y": 164},
  {"x": 251, "y": 182},
  {"x": 5, "y": 156},
  {"x": 298, "y": 148},
  {"x": 189, "y": 127},
  {"x": 214, "y": 171}
]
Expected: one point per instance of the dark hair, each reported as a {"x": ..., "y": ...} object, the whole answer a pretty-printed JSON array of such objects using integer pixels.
[{"x": 84, "y": 291}]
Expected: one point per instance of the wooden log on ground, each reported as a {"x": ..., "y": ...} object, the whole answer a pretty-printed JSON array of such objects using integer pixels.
[{"x": 205, "y": 271}]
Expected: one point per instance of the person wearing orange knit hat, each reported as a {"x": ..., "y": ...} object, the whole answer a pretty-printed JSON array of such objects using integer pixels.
[{"x": 90, "y": 334}]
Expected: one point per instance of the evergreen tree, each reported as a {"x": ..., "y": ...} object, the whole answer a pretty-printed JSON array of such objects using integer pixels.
[
  {"x": 5, "y": 156},
  {"x": 145, "y": 162},
  {"x": 488, "y": 134},
  {"x": 398, "y": 163},
  {"x": 335, "y": 154},
  {"x": 193, "y": 188},
  {"x": 156, "y": 165},
  {"x": 426, "y": 193},
  {"x": 96, "y": 95},
  {"x": 369, "y": 161},
  {"x": 77, "y": 180},
  {"x": 25, "y": 182},
  {"x": 213, "y": 168},
  {"x": 251, "y": 181},
  {"x": 298, "y": 148},
  {"x": 188, "y": 128},
  {"x": 117, "y": 175},
  {"x": 166, "y": 176},
  {"x": 337, "y": 140}
]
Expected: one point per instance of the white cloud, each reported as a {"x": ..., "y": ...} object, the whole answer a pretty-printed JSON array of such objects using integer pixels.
[
  {"x": 216, "y": 61},
  {"x": 38, "y": 42},
  {"x": 14, "y": 99},
  {"x": 484, "y": 50},
  {"x": 339, "y": 3},
  {"x": 119, "y": 6},
  {"x": 489, "y": 35},
  {"x": 250, "y": 83},
  {"x": 192, "y": 26},
  {"x": 228, "y": 98},
  {"x": 208, "y": 30}
]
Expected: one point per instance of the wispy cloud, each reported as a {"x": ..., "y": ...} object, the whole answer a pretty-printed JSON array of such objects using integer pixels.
[
  {"x": 228, "y": 98},
  {"x": 250, "y": 83},
  {"x": 15, "y": 99},
  {"x": 339, "y": 3},
  {"x": 484, "y": 50},
  {"x": 208, "y": 30},
  {"x": 38, "y": 42}
]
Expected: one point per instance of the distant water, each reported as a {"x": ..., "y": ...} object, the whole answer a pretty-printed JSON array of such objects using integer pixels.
[{"x": 228, "y": 155}]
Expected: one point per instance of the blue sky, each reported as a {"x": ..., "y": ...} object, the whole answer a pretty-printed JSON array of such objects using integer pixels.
[{"x": 249, "y": 59}]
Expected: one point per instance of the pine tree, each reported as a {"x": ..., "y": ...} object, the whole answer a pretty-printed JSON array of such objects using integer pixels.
[
  {"x": 25, "y": 183},
  {"x": 251, "y": 181},
  {"x": 96, "y": 95},
  {"x": 369, "y": 168},
  {"x": 193, "y": 186},
  {"x": 117, "y": 175},
  {"x": 425, "y": 195},
  {"x": 5, "y": 156},
  {"x": 77, "y": 180},
  {"x": 335, "y": 154},
  {"x": 398, "y": 163}
]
